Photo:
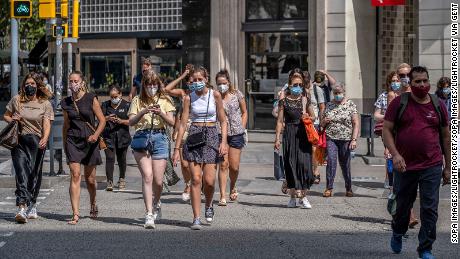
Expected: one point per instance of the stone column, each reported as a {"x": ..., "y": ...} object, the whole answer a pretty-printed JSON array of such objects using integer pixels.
[{"x": 227, "y": 48}]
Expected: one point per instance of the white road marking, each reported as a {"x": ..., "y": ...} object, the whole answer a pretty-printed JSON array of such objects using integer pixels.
[
  {"x": 7, "y": 203},
  {"x": 47, "y": 190},
  {"x": 378, "y": 165},
  {"x": 7, "y": 234},
  {"x": 41, "y": 198},
  {"x": 2, "y": 244},
  {"x": 10, "y": 198},
  {"x": 46, "y": 193}
]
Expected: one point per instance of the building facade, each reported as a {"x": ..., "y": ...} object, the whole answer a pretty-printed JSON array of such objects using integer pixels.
[{"x": 260, "y": 41}]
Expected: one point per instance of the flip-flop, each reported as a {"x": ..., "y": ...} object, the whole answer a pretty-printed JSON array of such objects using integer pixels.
[{"x": 234, "y": 194}]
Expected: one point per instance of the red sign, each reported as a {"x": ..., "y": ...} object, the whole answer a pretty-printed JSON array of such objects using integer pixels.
[{"x": 387, "y": 2}]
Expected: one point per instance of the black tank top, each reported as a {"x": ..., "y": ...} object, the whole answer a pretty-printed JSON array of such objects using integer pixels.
[{"x": 78, "y": 127}]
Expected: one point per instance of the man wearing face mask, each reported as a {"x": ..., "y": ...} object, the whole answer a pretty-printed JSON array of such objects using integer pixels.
[
  {"x": 116, "y": 135},
  {"x": 421, "y": 135},
  {"x": 136, "y": 88},
  {"x": 321, "y": 82}
]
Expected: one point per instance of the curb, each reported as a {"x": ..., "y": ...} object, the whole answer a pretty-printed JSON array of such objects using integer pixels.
[{"x": 376, "y": 161}]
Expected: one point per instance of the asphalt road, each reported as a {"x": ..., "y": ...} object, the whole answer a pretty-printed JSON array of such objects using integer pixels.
[{"x": 257, "y": 226}]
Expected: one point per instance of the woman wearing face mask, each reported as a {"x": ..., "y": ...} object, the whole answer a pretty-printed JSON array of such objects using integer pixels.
[
  {"x": 202, "y": 148},
  {"x": 80, "y": 111},
  {"x": 150, "y": 113},
  {"x": 443, "y": 92},
  {"x": 172, "y": 90},
  {"x": 34, "y": 113},
  {"x": 235, "y": 109},
  {"x": 342, "y": 125},
  {"x": 297, "y": 151},
  {"x": 392, "y": 87},
  {"x": 116, "y": 135}
]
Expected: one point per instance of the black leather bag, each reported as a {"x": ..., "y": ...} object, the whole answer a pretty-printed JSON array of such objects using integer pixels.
[
  {"x": 9, "y": 136},
  {"x": 198, "y": 139}
]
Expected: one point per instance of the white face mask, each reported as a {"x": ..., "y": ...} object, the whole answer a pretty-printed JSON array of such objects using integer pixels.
[
  {"x": 152, "y": 91},
  {"x": 116, "y": 101},
  {"x": 223, "y": 88}
]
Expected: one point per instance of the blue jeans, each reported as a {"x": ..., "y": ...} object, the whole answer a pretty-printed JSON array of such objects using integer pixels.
[{"x": 405, "y": 187}]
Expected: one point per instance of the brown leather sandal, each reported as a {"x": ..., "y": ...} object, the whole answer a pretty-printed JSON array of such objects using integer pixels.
[
  {"x": 234, "y": 194},
  {"x": 74, "y": 220},
  {"x": 284, "y": 187},
  {"x": 327, "y": 193}
]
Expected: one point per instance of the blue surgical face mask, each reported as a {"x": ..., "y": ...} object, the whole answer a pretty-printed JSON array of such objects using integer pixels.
[
  {"x": 296, "y": 90},
  {"x": 446, "y": 91},
  {"x": 198, "y": 86},
  {"x": 191, "y": 86},
  {"x": 338, "y": 97},
  {"x": 395, "y": 86}
]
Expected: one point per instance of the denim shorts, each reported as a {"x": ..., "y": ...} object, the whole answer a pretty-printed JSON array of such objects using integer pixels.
[
  {"x": 158, "y": 146},
  {"x": 236, "y": 141}
]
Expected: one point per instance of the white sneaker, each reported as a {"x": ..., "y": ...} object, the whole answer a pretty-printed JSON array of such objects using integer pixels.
[
  {"x": 185, "y": 196},
  {"x": 149, "y": 221},
  {"x": 21, "y": 215},
  {"x": 32, "y": 211},
  {"x": 157, "y": 211},
  {"x": 292, "y": 203},
  {"x": 305, "y": 203}
]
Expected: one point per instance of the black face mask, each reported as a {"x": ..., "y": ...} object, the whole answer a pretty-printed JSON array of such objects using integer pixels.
[{"x": 30, "y": 90}]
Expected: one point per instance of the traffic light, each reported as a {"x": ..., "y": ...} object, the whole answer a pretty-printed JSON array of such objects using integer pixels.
[
  {"x": 47, "y": 9},
  {"x": 63, "y": 30},
  {"x": 21, "y": 8},
  {"x": 64, "y": 8},
  {"x": 75, "y": 18}
]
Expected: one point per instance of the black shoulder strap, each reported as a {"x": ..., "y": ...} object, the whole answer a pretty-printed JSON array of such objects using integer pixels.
[
  {"x": 442, "y": 119},
  {"x": 315, "y": 92},
  {"x": 402, "y": 105}
]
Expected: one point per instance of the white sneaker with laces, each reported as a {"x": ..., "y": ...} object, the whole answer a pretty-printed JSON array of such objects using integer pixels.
[
  {"x": 185, "y": 196},
  {"x": 149, "y": 221},
  {"x": 305, "y": 203},
  {"x": 157, "y": 211},
  {"x": 32, "y": 211},
  {"x": 21, "y": 215},
  {"x": 292, "y": 203}
]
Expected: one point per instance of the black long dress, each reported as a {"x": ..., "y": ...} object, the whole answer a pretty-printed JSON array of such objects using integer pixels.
[{"x": 297, "y": 151}]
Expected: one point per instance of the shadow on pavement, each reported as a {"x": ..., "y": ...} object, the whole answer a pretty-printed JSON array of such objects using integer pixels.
[{"x": 364, "y": 219}]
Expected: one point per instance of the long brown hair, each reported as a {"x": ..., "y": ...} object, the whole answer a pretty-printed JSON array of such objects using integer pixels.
[
  {"x": 43, "y": 94},
  {"x": 224, "y": 73},
  {"x": 151, "y": 78},
  {"x": 389, "y": 79},
  {"x": 84, "y": 85}
]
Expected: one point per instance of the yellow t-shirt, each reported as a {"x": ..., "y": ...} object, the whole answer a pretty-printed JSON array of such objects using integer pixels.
[{"x": 146, "y": 121}]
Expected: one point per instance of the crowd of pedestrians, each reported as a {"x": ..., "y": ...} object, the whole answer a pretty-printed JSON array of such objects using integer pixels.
[{"x": 209, "y": 133}]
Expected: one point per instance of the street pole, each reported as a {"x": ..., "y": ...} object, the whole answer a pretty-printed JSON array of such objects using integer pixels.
[
  {"x": 69, "y": 64},
  {"x": 14, "y": 57},
  {"x": 57, "y": 87}
]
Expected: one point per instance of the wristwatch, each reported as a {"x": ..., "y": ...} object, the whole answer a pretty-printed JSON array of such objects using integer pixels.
[{"x": 353, "y": 139}]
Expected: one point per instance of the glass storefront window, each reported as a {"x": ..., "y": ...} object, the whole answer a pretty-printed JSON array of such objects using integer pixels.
[
  {"x": 276, "y": 9},
  {"x": 103, "y": 70},
  {"x": 271, "y": 56}
]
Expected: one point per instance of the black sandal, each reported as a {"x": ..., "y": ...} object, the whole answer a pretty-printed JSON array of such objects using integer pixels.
[
  {"x": 93, "y": 212},
  {"x": 317, "y": 179}
]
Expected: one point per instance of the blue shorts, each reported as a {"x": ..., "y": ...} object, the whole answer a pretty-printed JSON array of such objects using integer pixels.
[
  {"x": 158, "y": 146},
  {"x": 236, "y": 141}
]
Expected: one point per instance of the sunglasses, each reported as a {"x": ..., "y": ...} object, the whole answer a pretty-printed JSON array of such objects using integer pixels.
[{"x": 403, "y": 75}]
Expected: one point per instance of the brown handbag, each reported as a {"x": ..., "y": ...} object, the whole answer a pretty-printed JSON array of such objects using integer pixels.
[
  {"x": 102, "y": 144},
  {"x": 9, "y": 136}
]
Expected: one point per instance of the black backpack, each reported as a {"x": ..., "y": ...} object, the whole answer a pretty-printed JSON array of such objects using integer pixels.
[{"x": 434, "y": 100}]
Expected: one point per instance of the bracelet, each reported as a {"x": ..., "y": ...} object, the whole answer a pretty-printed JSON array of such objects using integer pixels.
[{"x": 353, "y": 139}]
